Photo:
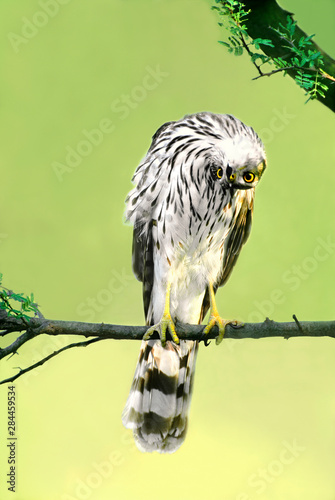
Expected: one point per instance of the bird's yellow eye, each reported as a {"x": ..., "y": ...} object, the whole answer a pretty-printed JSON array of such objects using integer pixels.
[
  {"x": 232, "y": 177},
  {"x": 219, "y": 173},
  {"x": 249, "y": 177}
]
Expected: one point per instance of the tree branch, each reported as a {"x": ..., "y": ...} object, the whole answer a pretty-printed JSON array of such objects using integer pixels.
[
  {"x": 102, "y": 331},
  {"x": 267, "y": 14},
  {"x": 262, "y": 22}
]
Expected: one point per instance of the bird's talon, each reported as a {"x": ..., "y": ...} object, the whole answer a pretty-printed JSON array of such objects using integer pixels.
[
  {"x": 219, "y": 338},
  {"x": 206, "y": 341},
  {"x": 174, "y": 335},
  {"x": 215, "y": 319},
  {"x": 150, "y": 331},
  {"x": 161, "y": 327}
]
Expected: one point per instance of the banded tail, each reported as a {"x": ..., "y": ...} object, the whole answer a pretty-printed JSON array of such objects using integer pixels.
[{"x": 160, "y": 395}]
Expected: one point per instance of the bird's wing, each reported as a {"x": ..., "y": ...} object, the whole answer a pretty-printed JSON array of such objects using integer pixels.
[
  {"x": 241, "y": 226},
  {"x": 139, "y": 211},
  {"x": 142, "y": 260}
]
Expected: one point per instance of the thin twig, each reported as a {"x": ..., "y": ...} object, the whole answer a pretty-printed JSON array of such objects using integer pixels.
[
  {"x": 18, "y": 342},
  {"x": 245, "y": 45},
  {"x": 275, "y": 71},
  {"x": 288, "y": 68},
  {"x": 42, "y": 361}
]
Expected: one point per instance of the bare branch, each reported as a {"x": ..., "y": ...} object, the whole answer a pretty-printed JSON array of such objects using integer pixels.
[
  {"x": 102, "y": 331},
  {"x": 268, "y": 328},
  {"x": 43, "y": 360}
]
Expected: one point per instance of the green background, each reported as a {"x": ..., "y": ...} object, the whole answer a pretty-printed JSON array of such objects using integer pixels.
[{"x": 262, "y": 415}]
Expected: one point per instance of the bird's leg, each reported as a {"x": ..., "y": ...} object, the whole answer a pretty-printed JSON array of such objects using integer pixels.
[
  {"x": 165, "y": 323},
  {"x": 215, "y": 318}
]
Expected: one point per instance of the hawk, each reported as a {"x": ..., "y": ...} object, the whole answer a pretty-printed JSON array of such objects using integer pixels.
[{"x": 191, "y": 209}]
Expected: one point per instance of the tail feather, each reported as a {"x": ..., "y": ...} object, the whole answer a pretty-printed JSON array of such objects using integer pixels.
[{"x": 160, "y": 395}]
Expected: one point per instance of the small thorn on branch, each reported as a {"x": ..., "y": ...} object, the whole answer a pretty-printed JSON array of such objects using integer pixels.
[
  {"x": 12, "y": 354},
  {"x": 298, "y": 323}
]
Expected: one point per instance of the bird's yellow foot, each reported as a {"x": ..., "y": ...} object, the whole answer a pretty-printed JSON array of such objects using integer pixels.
[
  {"x": 165, "y": 324},
  {"x": 215, "y": 319}
]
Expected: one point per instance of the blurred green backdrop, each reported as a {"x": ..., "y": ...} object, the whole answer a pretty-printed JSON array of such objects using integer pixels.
[{"x": 262, "y": 416}]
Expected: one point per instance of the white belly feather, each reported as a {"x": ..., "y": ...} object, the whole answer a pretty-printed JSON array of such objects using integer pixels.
[{"x": 191, "y": 269}]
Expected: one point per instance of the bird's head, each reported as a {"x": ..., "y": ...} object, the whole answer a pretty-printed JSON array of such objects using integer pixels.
[{"x": 238, "y": 163}]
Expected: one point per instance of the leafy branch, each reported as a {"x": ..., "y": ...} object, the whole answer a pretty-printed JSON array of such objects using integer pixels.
[
  {"x": 288, "y": 49},
  {"x": 307, "y": 62},
  {"x": 239, "y": 40},
  {"x": 17, "y": 305}
]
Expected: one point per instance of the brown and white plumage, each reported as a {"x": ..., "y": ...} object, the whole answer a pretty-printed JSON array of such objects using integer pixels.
[
  {"x": 159, "y": 397},
  {"x": 191, "y": 209}
]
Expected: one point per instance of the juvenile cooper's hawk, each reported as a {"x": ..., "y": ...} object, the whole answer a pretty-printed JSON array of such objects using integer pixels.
[{"x": 191, "y": 209}]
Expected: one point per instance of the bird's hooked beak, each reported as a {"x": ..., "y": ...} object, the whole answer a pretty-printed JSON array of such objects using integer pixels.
[{"x": 230, "y": 175}]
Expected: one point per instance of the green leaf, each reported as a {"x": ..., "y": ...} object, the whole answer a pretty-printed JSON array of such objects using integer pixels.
[
  {"x": 280, "y": 63},
  {"x": 234, "y": 41},
  {"x": 291, "y": 24},
  {"x": 257, "y": 55},
  {"x": 262, "y": 41},
  {"x": 308, "y": 38},
  {"x": 238, "y": 51},
  {"x": 9, "y": 301},
  {"x": 224, "y": 43}
]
